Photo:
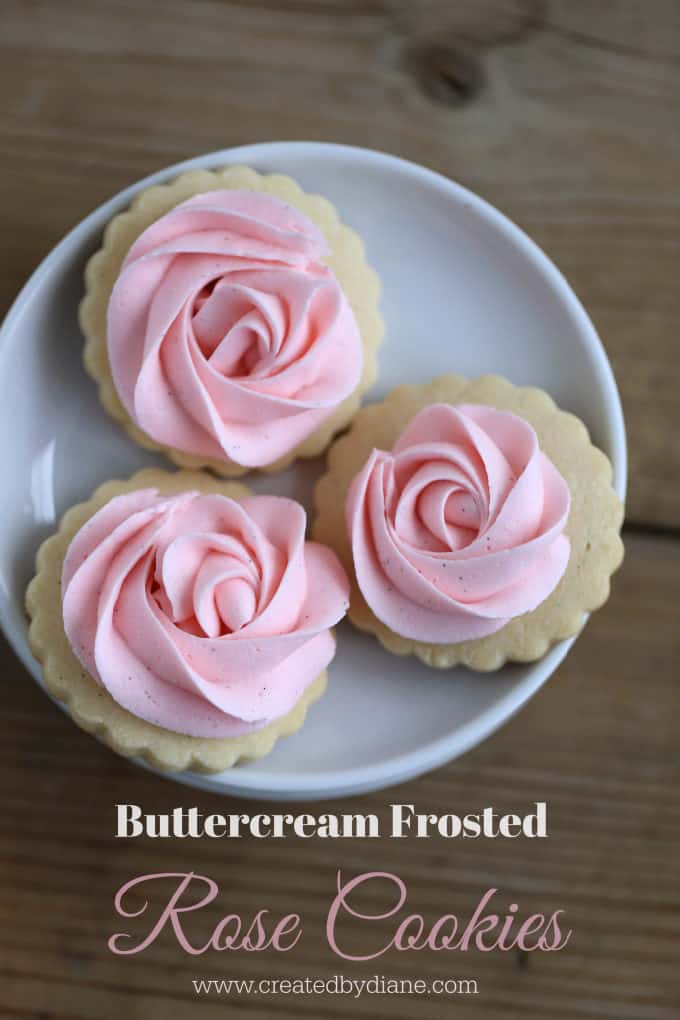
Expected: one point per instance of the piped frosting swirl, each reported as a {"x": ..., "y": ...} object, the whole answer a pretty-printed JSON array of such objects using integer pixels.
[
  {"x": 460, "y": 527},
  {"x": 199, "y": 613},
  {"x": 227, "y": 336}
]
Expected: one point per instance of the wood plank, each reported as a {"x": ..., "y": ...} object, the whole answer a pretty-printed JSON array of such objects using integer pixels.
[
  {"x": 598, "y": 743},
  {"x": 563, "y": 114}
]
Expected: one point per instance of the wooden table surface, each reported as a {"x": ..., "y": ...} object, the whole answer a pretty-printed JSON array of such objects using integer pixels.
[{"x": 565, "y": 114}]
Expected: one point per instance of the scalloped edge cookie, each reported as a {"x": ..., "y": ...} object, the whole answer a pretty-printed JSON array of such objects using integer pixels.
[
  {"x": 89, "y": 704},
  {"x": 593, "y": 527},
  {"x": 358, "y": 280}
]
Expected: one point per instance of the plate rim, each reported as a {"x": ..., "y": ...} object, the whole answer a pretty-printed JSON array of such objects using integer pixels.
[{"x": 399, "y": 768}]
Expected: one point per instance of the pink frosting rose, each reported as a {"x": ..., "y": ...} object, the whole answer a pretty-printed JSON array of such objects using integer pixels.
[
  {"x": 199, "y": 613},
  {"x": 227, "y": 336},
  {"x": 460, "y": 528}
]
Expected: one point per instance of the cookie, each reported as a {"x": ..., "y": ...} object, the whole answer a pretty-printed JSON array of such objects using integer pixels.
[
  {"x": 540, "y": 574},
  {"x": 231, "y": 320},
  {"x": 183, "y": 620}
]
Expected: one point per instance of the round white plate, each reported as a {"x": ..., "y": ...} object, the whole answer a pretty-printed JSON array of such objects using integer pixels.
[{"x": 464, "y": 290}]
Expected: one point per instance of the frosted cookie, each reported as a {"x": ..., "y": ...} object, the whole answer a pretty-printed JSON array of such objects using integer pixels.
[
  {"x": 231, "y": 320},
  {"x": 477, "y": 520},
  {"x": 184, "y": 620}
]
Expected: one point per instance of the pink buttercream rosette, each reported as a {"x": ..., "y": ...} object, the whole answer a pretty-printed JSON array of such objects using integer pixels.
[
  {"x": 199, "y": 613},
  {"x": 228, "y": 338},
  {"x": 460, "y": 527}
]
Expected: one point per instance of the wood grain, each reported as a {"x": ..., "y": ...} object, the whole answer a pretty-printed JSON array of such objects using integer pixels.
[
  {"x": 565, "y": 115},
  {"x": 599, "y": 744}
]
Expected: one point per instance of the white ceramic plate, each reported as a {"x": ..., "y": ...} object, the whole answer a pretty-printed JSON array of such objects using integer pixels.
[{"x": 464, "y": 290}]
